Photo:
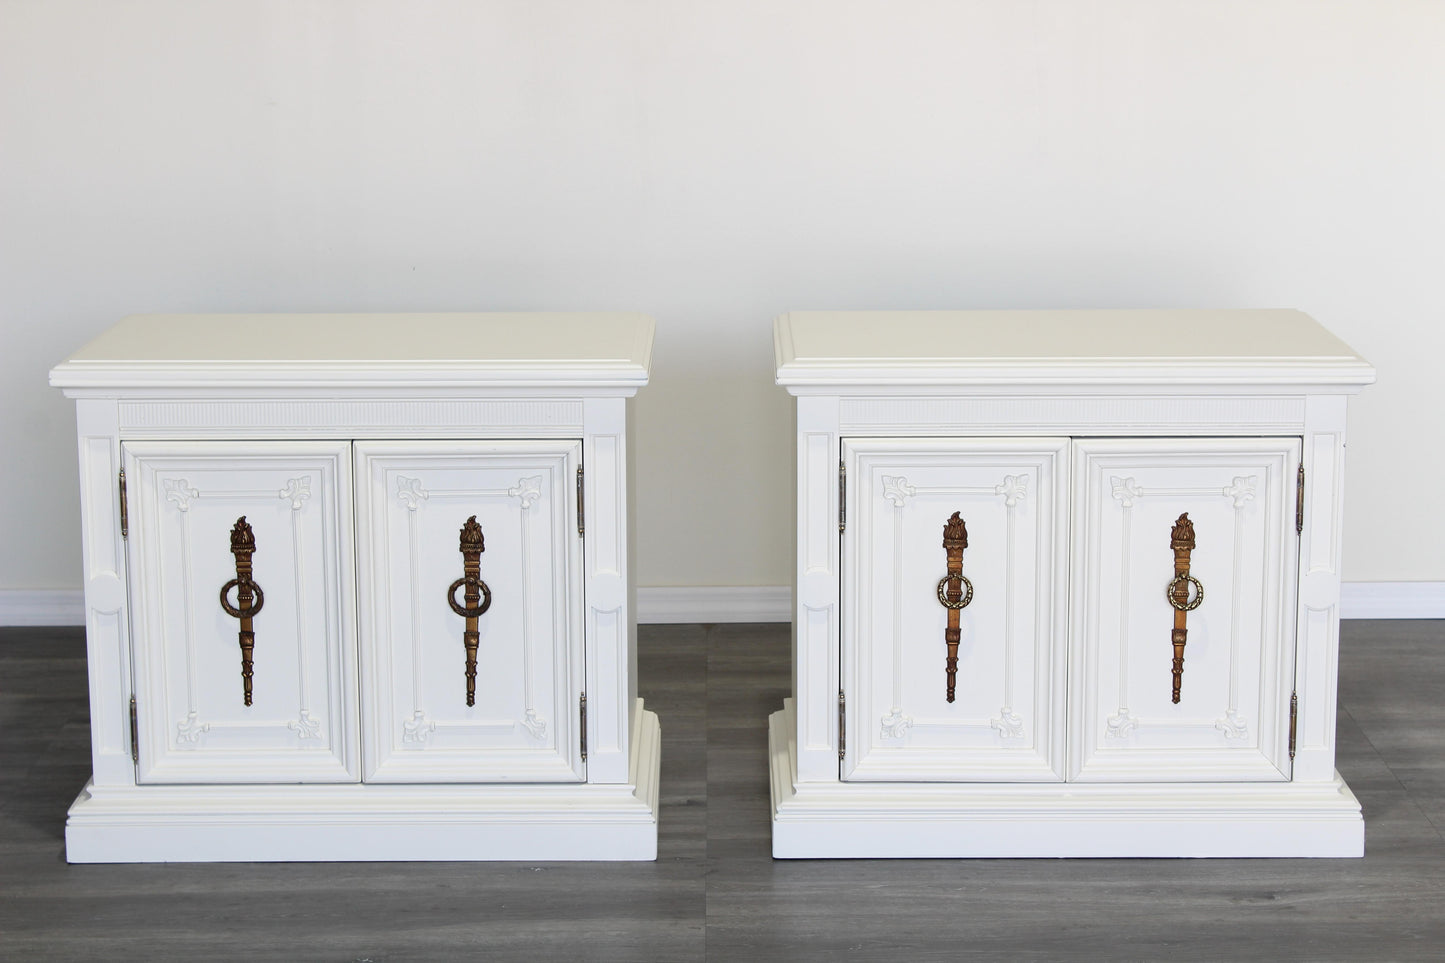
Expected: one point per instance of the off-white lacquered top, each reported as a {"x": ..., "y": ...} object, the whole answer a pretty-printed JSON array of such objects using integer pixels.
[
  {"x": 593, "y": 350},
  {"x": 835, "y": 349}
]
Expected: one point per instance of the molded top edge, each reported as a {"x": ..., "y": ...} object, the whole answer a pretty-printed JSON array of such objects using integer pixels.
[
  {"x": 607, "y": 349},
  {"x": 1074, "y": 346}
]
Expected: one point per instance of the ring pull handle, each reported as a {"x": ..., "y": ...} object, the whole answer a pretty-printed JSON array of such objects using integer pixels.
[
  {"x": 1181, "y": 539},
  {"x": 476, "y": 598},
  {"x": 954, "y": 591},
  {"x": 249, "y": 598}
]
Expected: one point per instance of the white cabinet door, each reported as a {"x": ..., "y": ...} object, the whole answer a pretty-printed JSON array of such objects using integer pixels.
[
  {"x": 185, "y": 499},
  {"x": 1232, "y": 718},
  {"x": 1002, "y": 724},
  {"x": 413, "y": 500}
]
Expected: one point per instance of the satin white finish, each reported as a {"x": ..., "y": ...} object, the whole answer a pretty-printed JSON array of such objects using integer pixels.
[
  {"x": 413, "y": 501},
  {"x": 277, "y": 434},
  {"x": 1232, "y": 720},
  {"x": 194, "y": 726},
  {"x": 1002, "y": 724},
  {"x": 1282, "y": 349},
  {"x": 517, "y": 350},
  {"x": 314, "y": 823},
  {"x": 1206, "y": 412},
  {"x": 1012, "y": 820}
]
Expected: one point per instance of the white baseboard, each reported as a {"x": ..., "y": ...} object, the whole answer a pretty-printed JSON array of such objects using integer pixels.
[
  {"x": 42, "y": 607},
  {"x": 715, "y": 603},
  {"x": 1392, "y": 600},
  {"x": 763, "y": 603}
]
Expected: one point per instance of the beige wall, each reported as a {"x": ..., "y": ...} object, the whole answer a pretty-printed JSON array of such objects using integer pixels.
[{"x": 713, "y": 164}]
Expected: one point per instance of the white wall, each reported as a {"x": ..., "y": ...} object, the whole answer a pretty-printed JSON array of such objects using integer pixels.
[{"x": 714, "y": 164}]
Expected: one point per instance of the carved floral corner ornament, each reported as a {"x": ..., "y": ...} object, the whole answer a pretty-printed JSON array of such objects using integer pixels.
[
  {"x": 897, "y": 490},
  {"x": 410, "y": 492},
  {"x": 1013, "y": 489},
  {"x": 304, "y": 726},
  {"x": 527, "y": 490},
  {"x": 535, "y": 724},
  {"x": 1121, "y": 723},
  {"x": 417, "y": 730},
  {"x": 297, "y": 491},
  {"x": 1125, "y": 490},
  {"x": 180, "y": 493},
  {"x": 896, "y": 724},
  {"x": 1009, "y": 724}
]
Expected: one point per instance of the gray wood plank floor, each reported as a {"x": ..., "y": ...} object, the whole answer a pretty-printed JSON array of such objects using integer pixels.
[{"x": 715, "y": 893}]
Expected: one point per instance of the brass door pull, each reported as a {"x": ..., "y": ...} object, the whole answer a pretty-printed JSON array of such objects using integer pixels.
[
  {"x": 1181, "y": 539},
  {"x": 472, "y": 547},
  {"x": 954, "y": 591},
  {"x": 249, "y": 597}
]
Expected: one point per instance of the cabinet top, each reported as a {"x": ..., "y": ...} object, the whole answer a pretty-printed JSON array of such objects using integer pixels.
[
  {"x": 532, "y": 350},
  {"x": 819, "y": 350}
]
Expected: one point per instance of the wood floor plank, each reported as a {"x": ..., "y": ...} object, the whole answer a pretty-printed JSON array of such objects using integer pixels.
[
  {"x": 715, "y": 892},
  {"x": 332, "y": 911}
]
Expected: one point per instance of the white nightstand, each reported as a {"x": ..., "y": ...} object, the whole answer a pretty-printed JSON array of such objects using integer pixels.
[
  {"x": 1107, "y": 468},
  {"x": 425, "y": 647}
]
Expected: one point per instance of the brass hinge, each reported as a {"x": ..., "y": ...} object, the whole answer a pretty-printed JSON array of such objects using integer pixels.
[
  {"x": 580, "y": 515},
  {"x": 1299, "y": 500},
  {"x": 842, "y": 732},
  {"x": 842, "y": 496},
  {"x": 124, "y": 511},
  {"x": 1293, "y": 719},
  {"x": 134, "y": 734},
  {"x": 584, "y": 726}
]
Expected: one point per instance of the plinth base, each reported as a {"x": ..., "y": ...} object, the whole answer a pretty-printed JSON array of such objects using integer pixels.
[
  {"x": 919, "y": 820},
  {"x": 298, "y": 823}
]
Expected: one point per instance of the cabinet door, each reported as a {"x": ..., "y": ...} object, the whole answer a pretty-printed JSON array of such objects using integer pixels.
[
  {"x": 185, "y": 501},
  {"x": 414, "y": 500},
  {"x": 1003, "y": 723},
  {"x": 1232, "y": 718}
]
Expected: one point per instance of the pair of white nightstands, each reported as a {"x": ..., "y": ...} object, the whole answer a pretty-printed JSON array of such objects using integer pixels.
[{"x": 359, "y": 587}]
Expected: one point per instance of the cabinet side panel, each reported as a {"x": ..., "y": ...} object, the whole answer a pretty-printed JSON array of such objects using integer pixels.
[
  {"x": 1317, "y": 674},
  {"x": 629, "y": 564},
  {"x": 609, "y": 620},
  {"x": 816, "y": 614},
  {"x": 106, "y": 611}
]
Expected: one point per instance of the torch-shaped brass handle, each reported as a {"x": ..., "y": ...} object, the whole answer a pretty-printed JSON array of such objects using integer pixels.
[
  {"x": 472, "y": 547},
  {"x": 249, "y": 597},
  {"x": 954, "y": 591},
  {"x": 1181, "y": 539}
]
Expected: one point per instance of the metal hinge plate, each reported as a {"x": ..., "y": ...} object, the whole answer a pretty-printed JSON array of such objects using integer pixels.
[
  {"x": 134, "y": 733},
  {"x": 580, "y": 516},
  {"x": 842, "y": 496},
  {"x": 1293, "y": 721},
  {"x": 584, "y": 726},
  {"x": 1299, "y": 500},
  {"x": 124, "y": 509},
  {"x": 842, "y": 729}
]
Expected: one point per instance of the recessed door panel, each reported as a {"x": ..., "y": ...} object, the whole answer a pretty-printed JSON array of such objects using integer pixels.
[
  {"x": 287, "y": 505},
  {"x": 1234, "y": 500},
  {"x": 414, "y": 501},
  {"x": 1001, "y": 723}
]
